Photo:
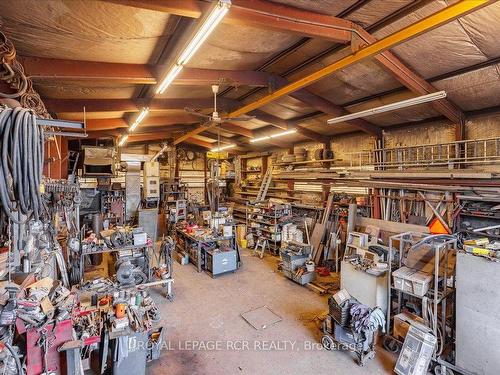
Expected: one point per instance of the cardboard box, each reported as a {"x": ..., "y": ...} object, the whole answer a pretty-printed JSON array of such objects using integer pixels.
[
  {"x": 402, "y": 323},
  {"x": 341, "y": 296},
  {"x": 140, "y": 239}
]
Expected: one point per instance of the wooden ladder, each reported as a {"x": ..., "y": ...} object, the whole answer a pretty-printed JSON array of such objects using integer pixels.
[
  {"x": 262, "y": 243},
  {"x": 264, "y": 187}
]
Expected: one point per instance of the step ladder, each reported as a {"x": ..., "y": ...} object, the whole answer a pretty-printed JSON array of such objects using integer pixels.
[
  {"x": 262, "y": 243},
  {"x": 264, "y": 187}
]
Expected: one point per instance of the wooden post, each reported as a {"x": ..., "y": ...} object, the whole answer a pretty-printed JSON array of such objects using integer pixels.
[
  {"x": 376, "y": 203},
  {"x": 263, "y": 168},
  {"x": 205, "y": 170}
]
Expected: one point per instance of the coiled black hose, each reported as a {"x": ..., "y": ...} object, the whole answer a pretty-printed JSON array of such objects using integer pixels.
[{"x": 21, "y": 167}]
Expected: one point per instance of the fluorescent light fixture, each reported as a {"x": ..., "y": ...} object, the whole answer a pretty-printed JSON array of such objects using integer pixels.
[
  {"x": 222, "y": 148},
  {"x": 259, "y": 139},
  {"x": 123, "y": 140},
  {"x": 159, "y": 153},
  {"x": 283, "y": 133},
  {"x": 273, "y": 136},
  {"x": 139, "y": 119},
  {"x": 172, "y": 73},
  {"x": 390, "y": 107},
  {"x": 208, "y": 25}
]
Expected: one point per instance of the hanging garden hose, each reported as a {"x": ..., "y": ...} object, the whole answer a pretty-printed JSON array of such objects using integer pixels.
[{"x": 21, "y": 167}]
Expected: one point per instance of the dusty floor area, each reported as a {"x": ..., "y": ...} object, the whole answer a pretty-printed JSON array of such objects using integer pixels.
[{"x": 205, "y": 333}]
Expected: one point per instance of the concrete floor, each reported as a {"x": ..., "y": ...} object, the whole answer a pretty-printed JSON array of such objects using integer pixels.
[{"x": 207, "y": 311}]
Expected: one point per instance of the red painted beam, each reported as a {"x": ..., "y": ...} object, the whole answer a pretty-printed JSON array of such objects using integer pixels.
[
  {"x": 237, "y": 129},
  {"x": 271, "y": 119},
  {"x": 105, "y": 124},
  {"x": 263, "y": 14},
  {"x": 225, "y": 140},
  {"x": 91, "y": 105},
  {"x": 202, "y": 77},
  {"x": 326, "y": 106},
  {"x": 125, "y": 105},
  {"x": 281, "y": 17},
  {"x": 287, "y": 124},
  {"x": 153, "y": 122},
  {"x": 170, "y": 129},
  {"x": 321, "y": 138},
  {"x": 199, "y": 142},
  {"x": 44, "y": 68},
  {"x": 413, "y": 81}
]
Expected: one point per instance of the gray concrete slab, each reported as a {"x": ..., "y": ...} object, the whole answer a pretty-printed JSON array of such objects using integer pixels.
[{"x": 205, "y": 333}]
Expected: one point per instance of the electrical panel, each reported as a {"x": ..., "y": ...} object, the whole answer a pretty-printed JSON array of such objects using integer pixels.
[{"x": 151, "y": 180}]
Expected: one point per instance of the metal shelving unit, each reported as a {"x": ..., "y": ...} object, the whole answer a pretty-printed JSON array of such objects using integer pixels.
[
  {"x": 269, "y": 226},
  {"x": 440, "y": 293}
]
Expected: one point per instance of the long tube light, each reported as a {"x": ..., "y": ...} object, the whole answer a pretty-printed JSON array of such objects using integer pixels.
[
  {"x": 273, "y": 136},
  {"x": 222, "y": 148},
  {"x": 209, "y": 24},
  {"x": 390, "y": 107},
  {"x": 139, "y": 119},
  {"x": 123, "y": 140},
  {"x": 159, "y": 153}
]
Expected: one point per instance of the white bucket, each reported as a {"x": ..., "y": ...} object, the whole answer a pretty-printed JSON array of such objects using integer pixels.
[{"x": 310, "y": 266}]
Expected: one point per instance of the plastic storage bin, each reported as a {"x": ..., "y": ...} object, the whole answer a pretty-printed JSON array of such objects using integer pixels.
[{"x": 412, "y": 281}]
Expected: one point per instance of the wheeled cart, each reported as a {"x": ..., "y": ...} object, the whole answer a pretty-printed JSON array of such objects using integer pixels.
[{"x": 336, "y": 336}]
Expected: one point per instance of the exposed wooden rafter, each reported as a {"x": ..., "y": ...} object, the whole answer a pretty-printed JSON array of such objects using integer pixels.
[
  {"x": 129, "y": 105},
  {"x": 152, "y": 121},
  {"x": 437, "y": 19},
  {"x": 263, "y": 14},
  {"x": 47, "y": 69},
  {"x": 413, "y": 81}
]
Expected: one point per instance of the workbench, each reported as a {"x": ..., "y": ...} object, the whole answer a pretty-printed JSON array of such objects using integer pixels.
[
  {"x": 191, "y": 242},
  {"x": 131, "y": 248}
]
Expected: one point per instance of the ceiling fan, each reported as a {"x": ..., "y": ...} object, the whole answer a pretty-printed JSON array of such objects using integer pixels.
[{"x": 214, "y": 117}]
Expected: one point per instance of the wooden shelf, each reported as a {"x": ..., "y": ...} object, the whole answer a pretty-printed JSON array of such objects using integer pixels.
[
  {"x": 269, "y": 196},
  {"x": 263, "y": 230},
  {"x": 261, "y": 222},
  {"x": 308, "y": 162},
  {"x": 255, "y": 156},
  {"x": 481, "y": 216},
  {"x": 252, "y": 171}
]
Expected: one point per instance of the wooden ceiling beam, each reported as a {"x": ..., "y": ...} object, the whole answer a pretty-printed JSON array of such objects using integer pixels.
[
  {"x": 287, "y": 125},
  {"x": 262, "y": 14},
  {"x": 38, "y": 68},
  {"x": 154, "y": 122},
  {"x": 413, "y": 81},
  {"x": 44, "y": 68},
  {"x": 426, "y": 24},
  {"x": 237, "y": 129},
  {"x": 276, "y": 121},
  {"x": 311, "y": 134},
  {"x": 128, "y": 105},
  {"x": 225, "y": 140},
  {"x": 199, "y": 142},
  {"x": 327, "y": 107},
  {"x": 105, "y": 124}
]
